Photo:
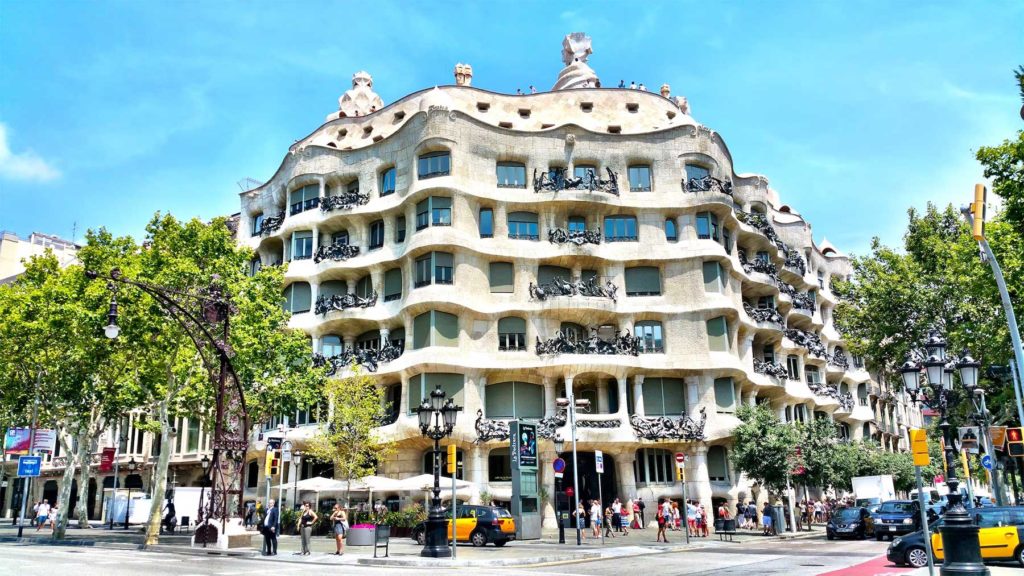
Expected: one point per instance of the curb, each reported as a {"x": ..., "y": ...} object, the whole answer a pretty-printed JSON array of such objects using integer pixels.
[{"x": 497, "y": 563}]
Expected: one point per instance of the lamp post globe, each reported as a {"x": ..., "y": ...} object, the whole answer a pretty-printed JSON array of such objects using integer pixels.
[
  {"x": 911, "y": 373},
  {"x": 968, "y": 368}
]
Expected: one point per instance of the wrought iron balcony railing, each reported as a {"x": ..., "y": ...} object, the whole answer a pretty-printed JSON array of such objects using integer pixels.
[
  {"x": 758, "y": 265},
  {"x": 336, "y": 252},
  {"x": 625, "y": 344},
  {"x": 304, "y": 205},
  {"x": 794, "y": 261},
  {"x": 839, "y": 360},
  {"x": 345, "y": 201},
  {"x": 272, "y": 223},
  {"x": 807, "y": 340},
  {"x": 325, "y": 304},
  {"x": 764, "y": 314},
  {"x": 575, "y": 287},
  {"x": 524, "y": 236},
  {"x": 707, "y": 184},
  {"x": 770, "y": 369},
  {"x": 577, "y": 237},
  {"x": 557, "y": 179},
  {"x": 665, "y": 428},
  {"x": 803, "y": 302},
  {"x": 370, "y": 359}
]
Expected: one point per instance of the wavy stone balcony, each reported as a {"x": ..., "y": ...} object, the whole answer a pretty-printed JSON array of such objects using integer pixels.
[
  {"x": 625, "y": 344},
  {"x": 588, "y": 288},
  {"x": 557, "y": 179},
  {"x": 369, "y": 359},
  {"x": 773, "y": 369},
  {"x": 345, "y": 201},
  {"x": 707, "y": 184},
  {"x": 807, "y": 340},
  {"x": 574, "y": 237},
  {"x": 336, "y": 252},
  {"x": 325, "y": 304}
]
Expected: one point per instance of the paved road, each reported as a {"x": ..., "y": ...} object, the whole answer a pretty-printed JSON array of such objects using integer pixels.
[{"x": 794, "y": 558}]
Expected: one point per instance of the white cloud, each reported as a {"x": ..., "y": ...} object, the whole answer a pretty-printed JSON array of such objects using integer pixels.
[{"x": 26, "y": 165}]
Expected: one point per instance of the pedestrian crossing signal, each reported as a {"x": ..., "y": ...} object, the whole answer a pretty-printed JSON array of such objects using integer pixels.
[
  {"x": 273, "y": 463},
  {"x": 1015, "y": 442},
  {"x": 978, "y": 212}
]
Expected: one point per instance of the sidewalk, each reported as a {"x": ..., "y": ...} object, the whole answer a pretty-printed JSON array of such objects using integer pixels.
[{"x": 403, "y": 551}]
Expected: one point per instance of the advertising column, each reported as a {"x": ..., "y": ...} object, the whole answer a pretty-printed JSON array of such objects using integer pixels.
[{"x": 525, "y": 504}]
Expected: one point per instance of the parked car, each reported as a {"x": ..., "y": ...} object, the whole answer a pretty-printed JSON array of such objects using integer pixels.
[
  {"x": 898, "y": 517},
  {"x": 909, "y": 548},
  {"x": 478, "y": 525},
  {"x": 853, "y": 522},
  {"x": 1000, "y": 533}
]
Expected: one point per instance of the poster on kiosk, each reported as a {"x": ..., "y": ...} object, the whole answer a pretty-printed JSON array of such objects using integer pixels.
[{"x": 525, "y": 502}]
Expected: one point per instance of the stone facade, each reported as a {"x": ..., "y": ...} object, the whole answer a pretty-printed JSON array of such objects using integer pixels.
[{"x": 721, "y": 281}]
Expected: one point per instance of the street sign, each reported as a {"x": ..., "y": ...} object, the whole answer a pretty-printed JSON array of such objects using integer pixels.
[
  {"x": 680, "y": 459},
  {"x": 919, "y": 446},
  {"x": 107, "y": 459},
  {"x": 28, "y": 466},
  {"x": 998, "y": 434},
  {"x": 273, "y": 442},
  {"x": 986, "y": 461},
  {"x": 599, "y": 461},
  {"x": 558, "y": 465},
  {"x": 286, "y": 451}
]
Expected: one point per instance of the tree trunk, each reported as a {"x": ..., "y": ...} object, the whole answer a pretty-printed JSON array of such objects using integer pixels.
[
  {"x": 65, "y": 490},
  {"x": 84, "y": 444},
  {"x": 160, "y": 471}
]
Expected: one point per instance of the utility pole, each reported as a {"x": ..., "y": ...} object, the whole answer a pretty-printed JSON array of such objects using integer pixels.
[{"x": 26, "y": 485}]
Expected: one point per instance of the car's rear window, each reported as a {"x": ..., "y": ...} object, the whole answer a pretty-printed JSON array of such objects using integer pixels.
[
  {"x": 896, "y": 508},
  {"x": 849, "y": 514},
  {"x": 502, "y": 513}
]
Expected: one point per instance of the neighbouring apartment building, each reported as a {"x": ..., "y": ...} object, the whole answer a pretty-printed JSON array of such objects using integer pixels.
[{"x": 516, "y": 249}]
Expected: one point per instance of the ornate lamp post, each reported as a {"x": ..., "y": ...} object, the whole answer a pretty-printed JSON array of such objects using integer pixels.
[
  {"x": 132, "y": 467},
  {"x": 559, "y": 446},
  {"x": 959, "y": 532},
  {"x": 205, "y": 317},
  {"x": 437, "y": 420}
]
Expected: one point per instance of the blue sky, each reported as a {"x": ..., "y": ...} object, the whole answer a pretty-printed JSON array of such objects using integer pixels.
[{"x": 855, "y": 111}]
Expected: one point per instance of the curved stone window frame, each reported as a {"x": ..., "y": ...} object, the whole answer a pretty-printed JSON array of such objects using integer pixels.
[
  {"x": 654, "y": 466},
  {"x": 812, "y": 374},
  {"x": 793, "y": 367},
  {"x": 435, "y": 328},
  {"x": 664, "y": 396},
  {"x": 434, "y": 268},
  {"x": 576, "y": 223},
  {"x": 433, "y": 164},
  {"x": 671, "y": 230},
  {"x": 514, "y": 399},
  {"x": 707, "y": 227},
  {"x": 501, "y": 276},
  {"x": 523, "y": 225},
  {"x": 301, "y": 245},
  {"x": 303, "y": 198},
  {"x": 714, "y": 276},
  {"x": 718, "y": 463},
  {"x": 717, "y": 329},
  {"x": 399, "y": 229},
  {"x": 393, "y": 284},
  {"x": 643, "y": 281},
  {"x": 652, "y": 337},
  {"x": 421, "y": 385},
  {"x": 725, "y": 395},
  {"x": 511, "y": 334},
  {"x": 376, "y": 234},
  {"x": 510, "y": 174},
  {"x": 369, "y": 340},
  {"x": 331, "y": 345},
  {"x": 486, "y": 222},
  {"x": 640, "y": 177},
  {"x": 433, "y": 211},
  {"x": 388, "y": 181},
  {"x": 298, "y": 297},
  {"x": 256, "y": 224},
  {"x": 621, "y": 228},
  {"x": 697, "y": 170}
]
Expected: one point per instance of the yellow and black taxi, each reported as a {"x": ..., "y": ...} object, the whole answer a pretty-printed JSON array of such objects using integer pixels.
[
  {"x": 1000, "y": 533},
  {"x": 478, "y": 525}
]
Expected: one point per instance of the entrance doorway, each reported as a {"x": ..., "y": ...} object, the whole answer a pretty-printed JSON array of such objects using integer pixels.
[
  {"x": 588, "y": 478},
  {"x": 50, "y": 492}
]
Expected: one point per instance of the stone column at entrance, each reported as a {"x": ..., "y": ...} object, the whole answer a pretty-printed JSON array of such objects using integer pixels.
[
  {"x": 627, "y": 477},
  {"x": 623, "y": 400},
  {"x": 602, "y": 396},
  {"x": 476, "y": 468},
  {"x": 698, "y": 483},
  {"x": 549, "y": 397},
  {"x": 638, "y": 395},
  {"x": 547, "y": 480}
]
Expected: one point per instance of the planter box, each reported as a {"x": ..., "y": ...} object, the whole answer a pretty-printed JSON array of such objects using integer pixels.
[{"x": 359, "y": 537}]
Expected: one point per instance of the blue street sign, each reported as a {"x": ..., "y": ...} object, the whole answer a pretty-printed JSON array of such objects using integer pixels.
[
  {"x": 28, "y": 466},
  {"x": 986, "y": 461},
  {"x": 559, "y": 465}
]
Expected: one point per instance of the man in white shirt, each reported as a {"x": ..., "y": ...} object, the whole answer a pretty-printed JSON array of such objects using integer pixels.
[
  {"x": 595, "y": 518},
  {"x": 42, "y": 514}
]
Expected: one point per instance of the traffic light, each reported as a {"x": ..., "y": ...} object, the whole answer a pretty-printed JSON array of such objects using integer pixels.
[
  {"x": 452, "y": 462},
  {"x": 978, "y": 211},
  {"x": 1015, "y": 442},
  {"x": 273, "y": 463},
  {"x": 919, "y": 446}
]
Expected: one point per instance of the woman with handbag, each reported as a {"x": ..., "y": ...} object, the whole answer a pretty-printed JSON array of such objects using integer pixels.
[
  {"x": 339, "y": 523},
  {"x": 307, "y": 517}
]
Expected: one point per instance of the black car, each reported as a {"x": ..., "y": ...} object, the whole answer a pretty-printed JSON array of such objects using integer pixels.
[
  {"x": 909, "y": 548},
  {"x": 897, "y": 517},
  {"x": 853, "y": 522}
]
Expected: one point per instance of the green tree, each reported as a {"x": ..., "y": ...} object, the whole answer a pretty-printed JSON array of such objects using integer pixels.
[
  {"x": 351, "y": 440},
  {"x": 764, "y": 447}
]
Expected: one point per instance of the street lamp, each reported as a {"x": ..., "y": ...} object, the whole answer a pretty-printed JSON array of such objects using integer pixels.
[
  {"x": 572, "y": 404},
  {"x": 559, "y": 443},
  {"x": 437, "y": 420},
  {"x": 959, "y": 532},
  {"x": 205, "y": 316},
  {"x": 132, "y": 467}
]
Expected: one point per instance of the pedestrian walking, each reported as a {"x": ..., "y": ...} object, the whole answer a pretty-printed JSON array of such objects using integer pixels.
[
  {"x": 581, "y": 520},
  {"x": 339, "y": 523},
  {"x": 52, "y": 516},
  {"x": 766, "y": 519},
  {"x": 608, "y": 514},
  {"x": 617, "y": 515},
  {"x": 798, "y": 514},
  {"x": 42, "y": 514},
  {"x": 637, "y": 522},
  {"x": 595, "y": 518},
  {"x": 664, "y": 517},
  {"x": 307, "y": 517},
  {"x": 752, "y": 514},
  {"x": 250, "y": 513},
  {"x": 702, "y": 520},
  {"x": 270, "y": 529},
  {"x": 642, "y": 507}
]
